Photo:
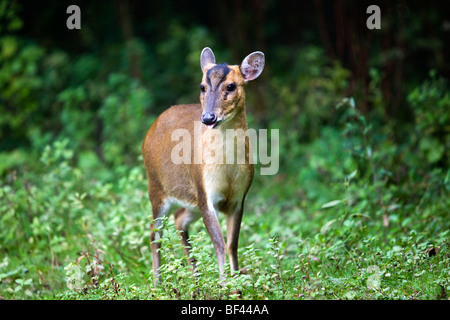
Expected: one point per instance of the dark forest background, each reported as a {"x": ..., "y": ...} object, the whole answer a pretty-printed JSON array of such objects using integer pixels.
[{"x": 56, "y": 81}]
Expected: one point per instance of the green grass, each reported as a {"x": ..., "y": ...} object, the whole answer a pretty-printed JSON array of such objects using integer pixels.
[{"x": 337, "y": 222}]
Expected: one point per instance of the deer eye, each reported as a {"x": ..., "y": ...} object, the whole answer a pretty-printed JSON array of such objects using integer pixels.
[
  {"x": 202, "y": 88},
  {"x": 231, "y": 87}
]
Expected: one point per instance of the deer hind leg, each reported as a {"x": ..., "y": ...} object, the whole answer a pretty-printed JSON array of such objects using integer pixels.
[
  {"x": 160, "y": 210},
  {"x": 183, "y": 219}
]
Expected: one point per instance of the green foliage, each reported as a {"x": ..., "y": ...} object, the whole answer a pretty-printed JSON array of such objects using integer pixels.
[
  {"x": 8, "y": 14},
  {"x": 54, "y": 215},
  {"x": 305, "y": 95},
  {"x": 180, "y": 75},
  {"x": 101, "y": 108},
  {"x": 20, "y": 85},
  {"x": 344, "y": 225},
  {"x": 123, "y": 117},
  {"x": 431, "y": 102},
  {"x": 120, "y": 118},
  {"x": 72, "y": 237}
]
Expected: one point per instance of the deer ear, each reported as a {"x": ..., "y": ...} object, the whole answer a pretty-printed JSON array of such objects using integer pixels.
[
  {"x": 206, "y": 57},
  {"x": 252, "y": 66}
]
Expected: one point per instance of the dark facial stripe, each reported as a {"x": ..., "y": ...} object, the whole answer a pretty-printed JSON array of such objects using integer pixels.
[{"x": 217, "y": 74}]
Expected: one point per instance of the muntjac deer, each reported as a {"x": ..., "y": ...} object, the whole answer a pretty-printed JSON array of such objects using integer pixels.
[{"x": 202, "y": 188}]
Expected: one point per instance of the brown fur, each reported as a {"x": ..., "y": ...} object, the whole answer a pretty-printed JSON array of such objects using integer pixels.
[{"x": 208, "y": 187}]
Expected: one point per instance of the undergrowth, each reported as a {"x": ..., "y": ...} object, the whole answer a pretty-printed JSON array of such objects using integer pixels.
[{"x": 352, "y": 217}]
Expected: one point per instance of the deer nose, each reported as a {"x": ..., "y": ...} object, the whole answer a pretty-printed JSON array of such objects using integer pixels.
[{"x": 209, "y": 118}]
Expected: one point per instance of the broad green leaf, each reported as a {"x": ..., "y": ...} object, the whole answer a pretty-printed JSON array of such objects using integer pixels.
[
  {"x": 327, "y": 226},
  {"x": 331, "y": 204}
]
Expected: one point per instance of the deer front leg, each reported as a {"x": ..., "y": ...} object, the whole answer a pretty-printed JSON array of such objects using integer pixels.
[
  {"x": 213, "y": 228},
  {"x": 233, "y": 227}
]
